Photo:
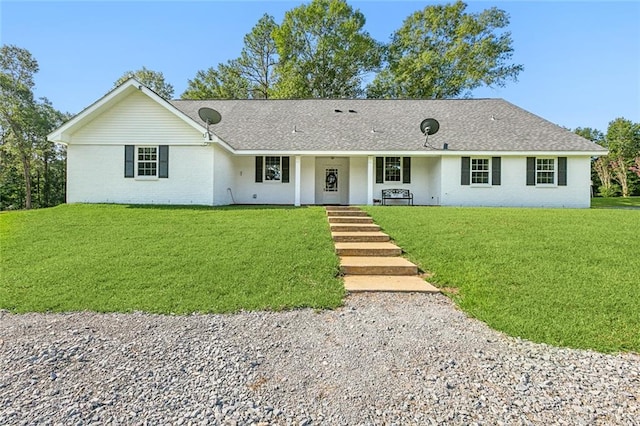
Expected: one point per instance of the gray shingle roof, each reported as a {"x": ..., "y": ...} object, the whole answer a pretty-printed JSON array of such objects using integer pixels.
[{"x": 382, "y": 125}]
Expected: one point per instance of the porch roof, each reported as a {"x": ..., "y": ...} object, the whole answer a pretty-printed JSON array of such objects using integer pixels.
[{"x": 369, "y": 125}]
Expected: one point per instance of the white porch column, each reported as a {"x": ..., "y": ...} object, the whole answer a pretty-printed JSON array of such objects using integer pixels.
[
  {"x": 297, "y": 185},
  {"x": 370, "y": 171}
]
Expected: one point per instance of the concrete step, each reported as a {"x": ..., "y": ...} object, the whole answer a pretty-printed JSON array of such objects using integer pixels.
[
  {"x": 368, "y": 249},
  {"x": 346, "y": 213},
  {"x": 350, "y": 219},
  {"x": 366, "y": 265},
  {"x": 342, "y": 208},
  {"x": 354, "y": 227},
  {"x": 359, "y": 237},
  {"x": 414, "y": 283}
]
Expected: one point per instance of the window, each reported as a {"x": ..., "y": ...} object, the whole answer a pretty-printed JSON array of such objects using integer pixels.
[
  {"x": 480, "y": 171},
  {"x": 545, "y": 171},
  {"x": 393, "y": 169},
  {"x": 272, "y": 169},
  {"x": 147, "y": 161}
]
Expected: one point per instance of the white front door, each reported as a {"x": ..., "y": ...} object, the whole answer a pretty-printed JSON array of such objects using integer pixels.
[{"x": 332, "y": 180}]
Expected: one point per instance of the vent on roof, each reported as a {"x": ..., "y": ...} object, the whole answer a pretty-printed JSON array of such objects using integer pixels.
[
  {"x": 353, "y": 111},
  {"x": 337, "y": 110}
]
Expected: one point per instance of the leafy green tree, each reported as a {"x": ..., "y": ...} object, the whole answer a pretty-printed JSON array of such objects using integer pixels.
[
  {"x": 222, "y": 83},
  {"x": 324, "y": 51},
  {"x": 31, "y": 168},
  {"x": 623, "y": 141},
  {"x": 251, "y": 76},
  {"x": 154, "y": 80},
  {"x": 18, "y": 109},
  {"x": 259, "y": 57},
  {"x": 445, "y": 52}
]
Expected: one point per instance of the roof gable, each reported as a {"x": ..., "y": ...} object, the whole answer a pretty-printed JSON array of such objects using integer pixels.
[{"x": 110, "y": 100}]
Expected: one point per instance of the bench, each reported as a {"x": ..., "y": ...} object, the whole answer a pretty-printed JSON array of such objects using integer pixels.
[{"x": 397, "y": 194}]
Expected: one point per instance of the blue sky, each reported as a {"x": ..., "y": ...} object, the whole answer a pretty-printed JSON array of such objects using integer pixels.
[{"x": 581, "y": 59}]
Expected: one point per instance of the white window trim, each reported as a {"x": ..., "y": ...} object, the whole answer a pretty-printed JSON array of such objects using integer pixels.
[
  {"x": 135, "y": 164},
  {"x": 384, "y": 171},
  {"x": 264, "y": 170},
  {"x": 555, "y": 173},
  {"x": 489, "y": 171}
]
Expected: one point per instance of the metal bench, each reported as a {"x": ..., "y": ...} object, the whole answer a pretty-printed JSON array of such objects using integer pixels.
[{"x": 397, "y": 194}]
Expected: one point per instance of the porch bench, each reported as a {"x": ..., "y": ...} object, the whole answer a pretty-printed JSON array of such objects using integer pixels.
[{"x": 397, "y": 194}]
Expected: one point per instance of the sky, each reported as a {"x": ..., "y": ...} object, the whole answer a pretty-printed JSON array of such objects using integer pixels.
[{"x": 581, "y": 59}]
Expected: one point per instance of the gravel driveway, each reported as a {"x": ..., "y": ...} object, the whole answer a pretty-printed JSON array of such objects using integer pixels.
[{"x": 382, "y": 359}]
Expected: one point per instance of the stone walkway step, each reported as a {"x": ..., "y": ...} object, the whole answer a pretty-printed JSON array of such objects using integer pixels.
[
  {"x": 332, "y": 213},
  {"x": 367, "y": 249},
  {"x": 354, "y": 227},
  {"x": 374, "y": 265},
  {"x": 350, "y": 219},
  {"x": 336, "y": 208},
  {"x": 413, "y": 283},
  {"x": 359, "y": 237}
]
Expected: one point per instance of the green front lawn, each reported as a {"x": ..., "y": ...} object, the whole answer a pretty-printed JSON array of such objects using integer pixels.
[
  {"x": 565, "y": 277},
  {"x": 612, "y": 202},
  {"x": 167, "y": 259}
]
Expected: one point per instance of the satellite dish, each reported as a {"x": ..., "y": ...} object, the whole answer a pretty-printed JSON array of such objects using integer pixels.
[
  {"x": 429, "y": 126},
  {"x": 209, "y": 115}
]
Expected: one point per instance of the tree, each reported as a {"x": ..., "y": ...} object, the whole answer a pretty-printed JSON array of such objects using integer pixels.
[
  {"x": 18, "y": 109},
  {"x": 31, "y": 168},
  {"x": 324, "y": 51},
  {"x": 259, "y": 57},
  {"x": 154, "y": 80},
  {"x": 251, "y": 76},
  {"x": 222, "y": 83},
  {"x": 623, "y": 141},
  {"x": 444, "y": 52}
]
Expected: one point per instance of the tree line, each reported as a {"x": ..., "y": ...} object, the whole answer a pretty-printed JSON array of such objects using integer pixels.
[{"x": 319, "y": 50}]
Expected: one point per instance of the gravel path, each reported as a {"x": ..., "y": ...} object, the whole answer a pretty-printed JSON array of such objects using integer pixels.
[{"x": 382, "y": 359}]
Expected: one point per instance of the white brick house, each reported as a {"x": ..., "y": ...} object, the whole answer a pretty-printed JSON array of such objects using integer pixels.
[{"x": 132, "y": 146}]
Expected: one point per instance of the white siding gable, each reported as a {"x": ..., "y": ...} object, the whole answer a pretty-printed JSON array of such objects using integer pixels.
[{"x": 137, "y": 119}]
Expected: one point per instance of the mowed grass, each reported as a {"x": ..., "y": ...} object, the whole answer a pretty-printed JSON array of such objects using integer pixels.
[
  {"x": 167, "y": 259},
  {"x": 613, "y": 202},
  {"x": 564, "y": 277}
]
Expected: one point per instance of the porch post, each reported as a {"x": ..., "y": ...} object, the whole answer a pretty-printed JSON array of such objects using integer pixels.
[
  {"x": 296, "y": 180},
  {"x": 370, "y": 180}
]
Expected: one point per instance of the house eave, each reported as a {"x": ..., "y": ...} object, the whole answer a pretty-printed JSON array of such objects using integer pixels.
[{"x": 421, "y": 153}]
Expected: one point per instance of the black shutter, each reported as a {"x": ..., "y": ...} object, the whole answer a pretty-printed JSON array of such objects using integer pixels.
[
  {"x": 531, "y": 171},
  {"x": 163, "y": 156},
  {"x": 562, "y": 171},
  {"x": 129, "y": 161},
  {"x": 259, "y": 164},
  {"x": 285, "y": 169},
  {"x": 465, "y": 172},
  {"x": 495, "y": 170},
  {"x": 406, "y": 169},
  {"x": 379, "y": 170}
]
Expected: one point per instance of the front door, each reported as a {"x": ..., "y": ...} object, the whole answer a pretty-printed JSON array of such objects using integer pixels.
[{"x": 332, "y": 181}]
